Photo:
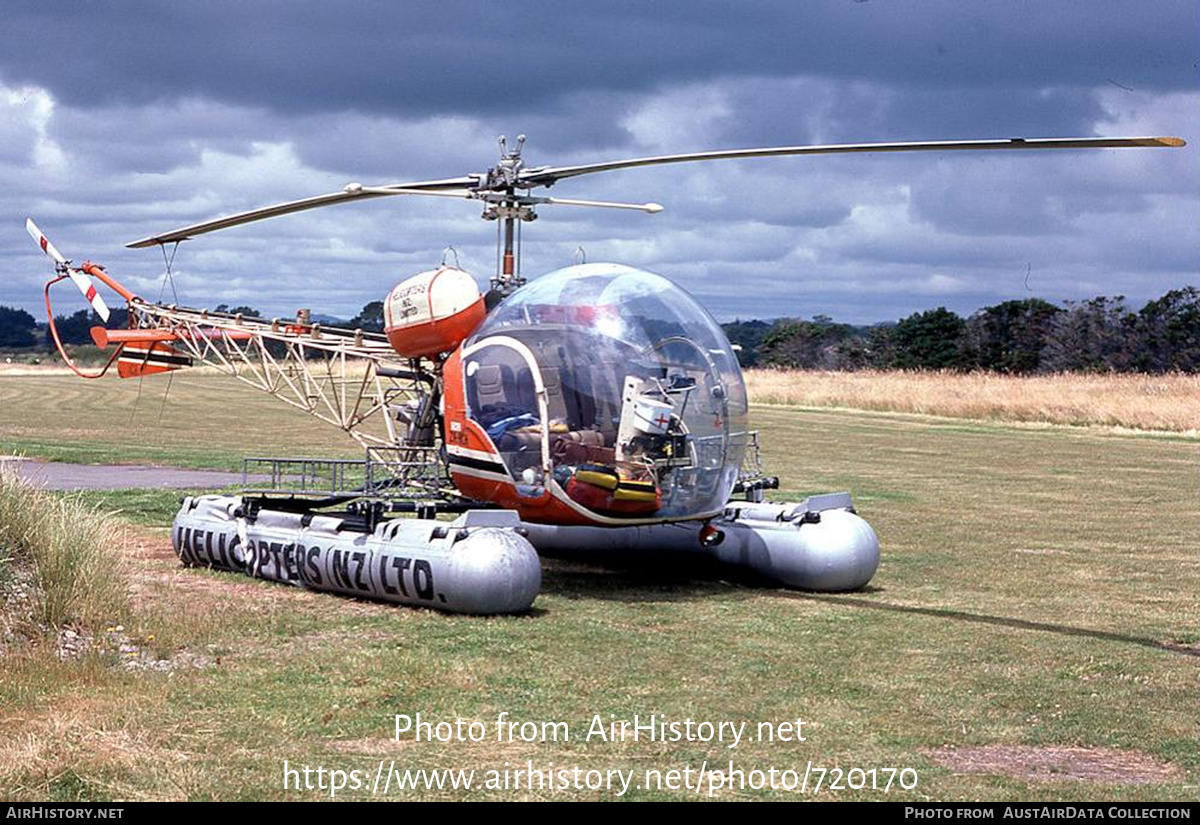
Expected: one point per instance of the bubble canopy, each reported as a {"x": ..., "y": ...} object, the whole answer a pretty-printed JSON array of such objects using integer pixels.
[{"x": 613, "y": 389}]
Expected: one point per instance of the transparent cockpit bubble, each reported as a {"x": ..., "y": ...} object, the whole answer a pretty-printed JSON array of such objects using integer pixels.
[{"x": 613, "y": 386}]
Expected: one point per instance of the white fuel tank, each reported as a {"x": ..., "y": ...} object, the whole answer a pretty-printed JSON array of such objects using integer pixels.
[{"x": 432, "y": 312}]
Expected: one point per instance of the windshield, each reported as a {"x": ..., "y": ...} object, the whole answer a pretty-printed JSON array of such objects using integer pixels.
[{"x": 614, "y": 385}]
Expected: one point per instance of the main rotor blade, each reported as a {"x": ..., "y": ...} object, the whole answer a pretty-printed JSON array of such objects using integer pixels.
[
  {"x": 385, "y": 190},
  {"x": 348, "y": 194},
  {"x": 652, "y": 208},
  {"x": 547, "y": 175}
]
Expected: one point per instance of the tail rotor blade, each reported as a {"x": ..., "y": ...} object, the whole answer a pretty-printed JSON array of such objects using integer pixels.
[
  {"x": 88, "y": 288},
  {"x": 44, "y": 242},
  {"x": 79, "y": 278}
]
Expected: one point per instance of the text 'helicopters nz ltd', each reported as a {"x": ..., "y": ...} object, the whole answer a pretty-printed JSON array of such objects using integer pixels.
[{"x": 596, "y": 408}]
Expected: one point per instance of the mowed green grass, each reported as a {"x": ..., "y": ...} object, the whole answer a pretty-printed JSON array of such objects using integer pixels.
[
  {"x": 181, "y": 420},
  {"x": 1038, "y": 587}
]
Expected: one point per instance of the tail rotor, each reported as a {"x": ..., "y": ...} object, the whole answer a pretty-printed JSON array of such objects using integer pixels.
[{"x": 80, "y": 278}]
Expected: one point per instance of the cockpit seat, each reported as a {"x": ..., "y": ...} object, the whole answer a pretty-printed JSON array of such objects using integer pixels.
[
  {"x": 495, "y": 385},
  {"x": 556, "y": 401}
]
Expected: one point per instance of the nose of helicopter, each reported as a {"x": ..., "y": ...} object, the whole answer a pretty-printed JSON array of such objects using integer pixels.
[{"x": 614, "y": 390}]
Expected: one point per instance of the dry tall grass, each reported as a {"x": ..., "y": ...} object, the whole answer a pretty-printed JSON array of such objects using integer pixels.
[
  {"x": 71, "y": 549},
  {"x": 1144, "y": 402}
]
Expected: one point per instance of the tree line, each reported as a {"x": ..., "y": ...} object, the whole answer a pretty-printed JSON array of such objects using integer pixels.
[{"x": 1020, "y": 337}]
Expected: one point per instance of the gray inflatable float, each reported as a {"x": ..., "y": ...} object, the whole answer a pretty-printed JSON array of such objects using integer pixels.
[{"x": 486, "y": 561}]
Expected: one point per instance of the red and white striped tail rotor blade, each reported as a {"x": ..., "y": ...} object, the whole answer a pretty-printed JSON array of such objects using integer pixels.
[
  {"x": 44, "y": 242},
  {"x": 80, "y": 279},
  {"x": 88, "y": 287}
]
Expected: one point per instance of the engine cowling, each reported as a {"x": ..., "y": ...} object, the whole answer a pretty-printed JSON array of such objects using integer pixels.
[{"x": 432, "y": 312}]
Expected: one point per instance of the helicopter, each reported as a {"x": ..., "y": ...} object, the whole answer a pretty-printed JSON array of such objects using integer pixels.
[{"x": 596, "y": 408}]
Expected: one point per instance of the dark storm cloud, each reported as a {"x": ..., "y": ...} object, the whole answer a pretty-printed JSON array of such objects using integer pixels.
[
  {"x": 418, "y": 59},
  {"x": 150, "y": 140}
]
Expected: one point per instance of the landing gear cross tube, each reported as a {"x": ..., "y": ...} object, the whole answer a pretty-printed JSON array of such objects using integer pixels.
[{"x": 477, "y": 564}]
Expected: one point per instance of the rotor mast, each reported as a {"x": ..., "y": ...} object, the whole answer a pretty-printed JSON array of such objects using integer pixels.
[{"x": 506, "y": 206}]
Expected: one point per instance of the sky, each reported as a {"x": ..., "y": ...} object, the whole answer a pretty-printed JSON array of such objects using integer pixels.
[{"x": 122, "y": 119}]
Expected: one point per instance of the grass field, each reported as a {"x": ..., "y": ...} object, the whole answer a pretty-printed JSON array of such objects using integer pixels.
[{"x": 1035, "y": 613}]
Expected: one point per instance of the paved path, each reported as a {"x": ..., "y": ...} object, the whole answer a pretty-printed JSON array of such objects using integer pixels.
[{"x": 56, "y": 475}]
